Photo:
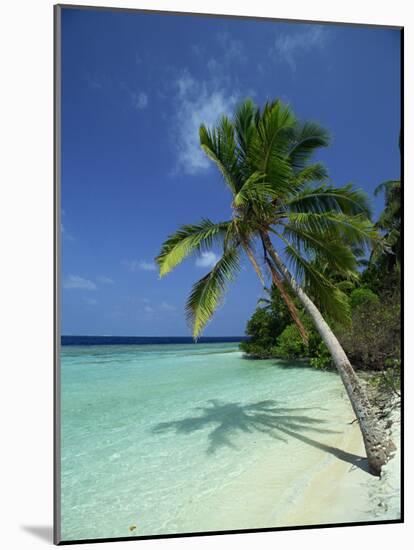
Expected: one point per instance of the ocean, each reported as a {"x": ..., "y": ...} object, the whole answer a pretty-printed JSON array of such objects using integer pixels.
[{"x": 169, "y": 437}]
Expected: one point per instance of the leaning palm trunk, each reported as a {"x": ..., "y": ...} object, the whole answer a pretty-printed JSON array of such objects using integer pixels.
[
  {"x": 378, "y": 446},
  {"x": 289, "y": 303},
  {"x": 277, "y": 281}
]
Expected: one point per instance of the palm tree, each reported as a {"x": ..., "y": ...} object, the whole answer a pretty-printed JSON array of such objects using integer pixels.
[
  {"x": 389, "y": 223},
  {"x": 279, "y": 195},
  {"x": 269, "y": 302}
]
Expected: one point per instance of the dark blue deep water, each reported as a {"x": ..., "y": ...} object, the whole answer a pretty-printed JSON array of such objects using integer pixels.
[{"x": 142, "y": 340}]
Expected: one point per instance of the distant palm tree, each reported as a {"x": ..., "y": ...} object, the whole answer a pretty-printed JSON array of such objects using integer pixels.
[
  {"x": 268, "y": 302},
  {"x": 389, "y": 223},
  {"x": 264, "y": 157}
]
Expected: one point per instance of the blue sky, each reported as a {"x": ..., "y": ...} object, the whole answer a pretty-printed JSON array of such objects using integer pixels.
[{"x": 135, "y": 88}]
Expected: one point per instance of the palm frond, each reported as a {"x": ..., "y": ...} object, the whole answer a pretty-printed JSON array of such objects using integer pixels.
[
  {"x": 345, "y": 199},
  {"x": 244, "y": 128},
  {"x": 255, "y": 190},
  {"x": 390, "y": 218},
  {"x": 356, "y": 229},
  {"x": 269, "y": 144},
  {"x": 388, "y": 187},
  {"x": 325, "y": 293},
  {"x": 307, "y": 137},
  {"x": 188, "y": 240},
  {"x": 264, "y": 301},
  {"x": 313, "y": 246},
  {"x": 207, "y": 293},
  {"x": 220, "y": 146},
  {"x": 309, "y": 174}
]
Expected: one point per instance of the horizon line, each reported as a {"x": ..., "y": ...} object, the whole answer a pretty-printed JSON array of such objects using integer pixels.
[{"x": 141, "y": 336}]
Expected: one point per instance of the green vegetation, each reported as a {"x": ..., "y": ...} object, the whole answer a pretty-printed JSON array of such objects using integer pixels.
[
  {"x": 370, "y": 335},
  {"x": 371, "y": 339},
  {"x": 284, "y": 205}
]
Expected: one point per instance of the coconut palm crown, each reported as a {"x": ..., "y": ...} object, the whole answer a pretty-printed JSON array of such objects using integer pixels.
[{"x": 266, "y": 160}]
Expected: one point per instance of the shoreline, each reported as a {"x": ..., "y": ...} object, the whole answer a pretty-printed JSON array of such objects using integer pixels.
[
  {"x": 337, "y": 489},
  {"x": 341, "y": 493}
]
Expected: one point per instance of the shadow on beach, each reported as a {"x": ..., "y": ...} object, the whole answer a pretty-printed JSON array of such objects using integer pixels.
[{"x": 227, "y": 419}]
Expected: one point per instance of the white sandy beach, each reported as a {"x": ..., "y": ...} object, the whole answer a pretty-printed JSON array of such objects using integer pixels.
[
  {"x": 329, "y": 489},
  {"x": 343, "y": 493}
]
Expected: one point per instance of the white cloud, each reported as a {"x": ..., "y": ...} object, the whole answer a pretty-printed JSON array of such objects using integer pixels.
[
  {"x": 165, "y": 306},
  {"x": 229, "y": 51},
  {"x": 205, "y": 100},
  {"x": 149, "y": 306},
  {"x": 94, "y": 82},
  {"x": 232, "y": 49},
  {"x": 105, "y": 280},
  {"x": 139, "y": 100},
  {"x": 90, "y": 301},
  {"x": 289, "y": 45},
  {"x": 147, "y": 266},
  {"x": 140, "y": 265},
  {"x": 207, "y": 259},
  {"x": 198, "y": 102},
  {"x": 76, "y": 282},
  {"x": 65, "y": 234}
]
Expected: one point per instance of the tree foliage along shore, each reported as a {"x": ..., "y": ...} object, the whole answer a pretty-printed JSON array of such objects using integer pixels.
[{"x": 284, "y": 209}]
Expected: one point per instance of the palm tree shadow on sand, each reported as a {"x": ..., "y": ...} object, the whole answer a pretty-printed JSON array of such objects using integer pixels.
[{"x": 227, "y": 419}]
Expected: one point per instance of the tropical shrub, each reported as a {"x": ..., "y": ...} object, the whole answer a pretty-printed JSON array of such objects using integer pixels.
[
  {"x": 373, "y": 340},
  {"x": 289, "y": 344},
  {"x": 322, "y": 358},
  {"x": 362, "y": 297}
]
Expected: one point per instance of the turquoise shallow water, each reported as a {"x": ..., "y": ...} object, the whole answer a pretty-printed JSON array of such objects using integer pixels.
[{"x": 175, "y": 438}]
